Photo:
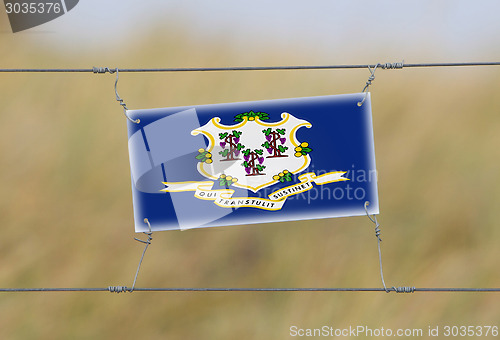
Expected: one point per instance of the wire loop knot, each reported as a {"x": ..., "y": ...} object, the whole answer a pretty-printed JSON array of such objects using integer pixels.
[
  {"x": 117, "y": 289},
  {"x": 392, "y": 66},
  {"x": 148, "y": 233},
  {"x": 371, "y": 78},
  {"x": 374, "y": 220},
  {"x": 404, "y": 289},
  {"x": 103, "y": 70},
  {"x": 368, "y": 83}
]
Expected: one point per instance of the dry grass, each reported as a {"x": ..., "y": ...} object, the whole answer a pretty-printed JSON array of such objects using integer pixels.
[{"x": 66, "y": 210}]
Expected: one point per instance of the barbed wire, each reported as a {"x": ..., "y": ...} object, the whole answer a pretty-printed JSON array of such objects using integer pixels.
[{"x": 398, "y": 65}]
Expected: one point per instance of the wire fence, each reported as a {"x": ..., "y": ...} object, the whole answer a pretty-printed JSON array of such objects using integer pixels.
[{"x": 371, "y": 67}]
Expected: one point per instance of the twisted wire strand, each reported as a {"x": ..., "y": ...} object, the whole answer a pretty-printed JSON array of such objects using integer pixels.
[
  {"x": 122, "y": 289},
  {"x": 379, "y": 239},
  {"x": 103, "y": 70},
  {"x": 371, "y": 78},
  {"x": 147, "y": 243},
  {"x": 118, "y": 98}
]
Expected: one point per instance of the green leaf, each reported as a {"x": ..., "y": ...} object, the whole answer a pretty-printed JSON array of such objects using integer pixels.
[
  {"x": 236, "y": 133},
  {"x": 223, "y": 135},
  {"x": 306, "y": 149},
  {"x": 246, "y": 152},
  {"x": 282, "y": 179},
  {"x": 238, "y": 120},
  {"x": 267, "y": 131},
  {"x": 258, "y": 151},
  {"x": 224, "y": 152},
  {"x": 264, "y": 118},
  {"x": 245, "y": 164},
  {"x": 281, "y": 131},
  {"x": 200, "y": 156},
  {"x": 282, "y": 148},
  {"x": 239, "y": 146},
  {"x": 266, "y": 145},
  {"x": 259, "y": 167}
]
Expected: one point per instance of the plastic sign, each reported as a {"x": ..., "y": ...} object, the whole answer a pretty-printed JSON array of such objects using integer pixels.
[{"x": 252, "y": 162}]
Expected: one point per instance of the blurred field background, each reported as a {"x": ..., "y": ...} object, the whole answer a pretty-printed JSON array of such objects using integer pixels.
[{"x": 66, "y": 207}]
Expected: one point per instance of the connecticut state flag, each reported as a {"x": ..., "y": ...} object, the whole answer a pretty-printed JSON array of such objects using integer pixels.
[{"x": 252, "y": 162}]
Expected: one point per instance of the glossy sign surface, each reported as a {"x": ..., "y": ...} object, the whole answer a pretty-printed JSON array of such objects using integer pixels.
[{"x": 252, "y": 162}]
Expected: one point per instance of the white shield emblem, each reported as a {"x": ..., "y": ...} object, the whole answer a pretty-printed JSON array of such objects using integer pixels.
[{"x": 253, "y": 154}]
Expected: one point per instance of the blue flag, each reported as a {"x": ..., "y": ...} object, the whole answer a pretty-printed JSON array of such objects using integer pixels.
[{"x": 252, "y": 162}]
